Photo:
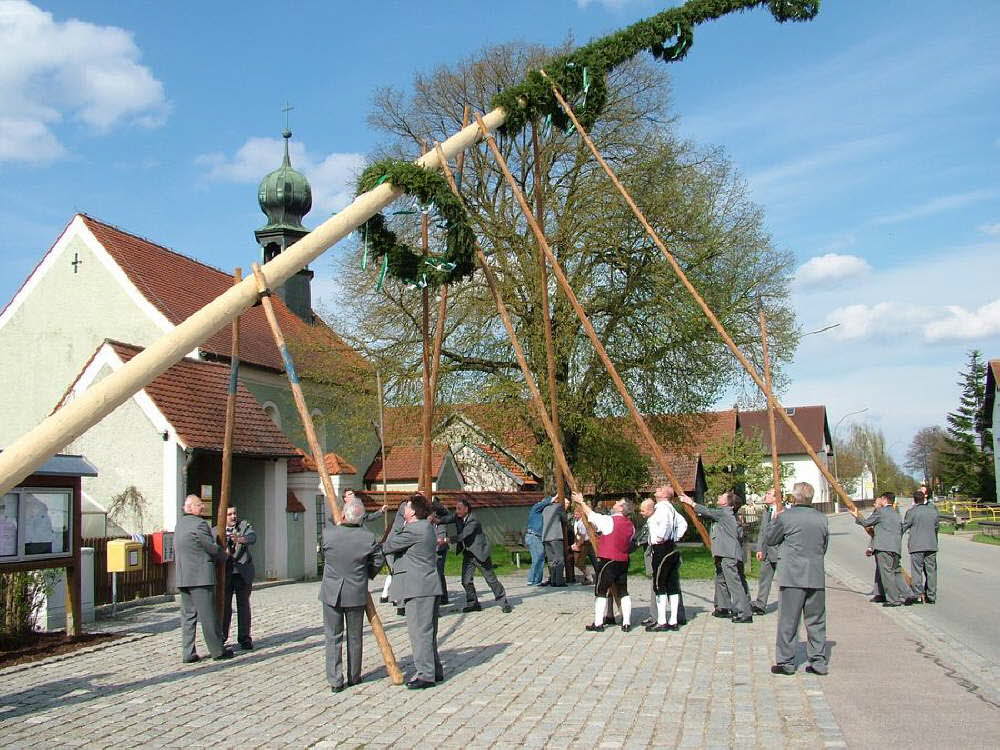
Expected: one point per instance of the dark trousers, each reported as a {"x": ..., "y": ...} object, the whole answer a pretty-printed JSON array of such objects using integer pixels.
[
  {"x": 334, "y": 621},
  {"x": 554, "y": 556},
  {"x": 442, "y": 558},
  {"x": 469, "y": 565},
  {"x": 241, "y": 588}
]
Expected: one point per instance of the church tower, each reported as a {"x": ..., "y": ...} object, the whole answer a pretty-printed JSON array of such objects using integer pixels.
[{"x": 285, "y": 197}]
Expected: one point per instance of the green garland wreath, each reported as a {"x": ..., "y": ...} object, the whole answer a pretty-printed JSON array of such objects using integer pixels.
[
  {"x": 399, "y": 259},
  {"x": 580, "y": 75}
]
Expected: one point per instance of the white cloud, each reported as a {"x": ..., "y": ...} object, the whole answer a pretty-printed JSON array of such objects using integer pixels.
[
  {"x": 993, "y": 230},
  {"x": 960, "y": 324},
  {"x": 331, "y": 176},
  {"x": 883, "y": 319},
  {"x": 614, "y": 4},
  {"x": 831, "y": 267},
  {"x": 936, "y": 206},
  {"x": 51, "y": 71}
]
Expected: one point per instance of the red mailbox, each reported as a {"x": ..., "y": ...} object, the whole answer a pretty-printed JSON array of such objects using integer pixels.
[{"x": 163, "y": 547}]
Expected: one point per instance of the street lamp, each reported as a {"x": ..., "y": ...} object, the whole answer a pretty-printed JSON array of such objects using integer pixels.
[{"x": 836, "y": 473}]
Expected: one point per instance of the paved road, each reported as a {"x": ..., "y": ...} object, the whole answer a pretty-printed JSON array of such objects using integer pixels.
[{"x": 968, "y": 608}]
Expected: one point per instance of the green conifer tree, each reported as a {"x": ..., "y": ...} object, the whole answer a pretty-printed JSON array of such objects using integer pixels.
[{"x": 968, "y": 457}]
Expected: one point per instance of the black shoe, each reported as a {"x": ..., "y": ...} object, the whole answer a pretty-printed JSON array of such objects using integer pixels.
[
  {"x": 928, "y": 601},
  {"x": 192, "y": 659},
  {"x": 227, "y": 653},
  {"x": 558, "y": 585},
  {"x": 506, "y": 608},
  {"x": 417, "y": 684},
  {"x": 443, "y": 601},
  {"x": 352, "y": 683},
  {"x": 384, "y": 599},
  {"x": 911, "y": 601},
  {"x": 660, "y": 628},
  {"x": 439, "y": 676},
  {"x": 877, "y": 600},
  {"x": 400, "y": 611},
  {"x": 757, "y": 610},
  {"x": 545, "y": 583},
  {"x": 336, "y": 688},
  {"x": 595, "y": 628},
  {"x": 892, "y": 604},
  {"x": 648, "y": 621},
  {"x": 246, "y": 645},
  {"x": 626, "y": 628},
  {"x": 472, "y": 608},
  {"x": 722, "y": 613},
  {"x": 610, "y": 621},
  {"x": 812, "y": 670},
  {"x": 788, "y": 671},
  {"x": 741, "y": 620},
  {"x": 682, "y": 621}
]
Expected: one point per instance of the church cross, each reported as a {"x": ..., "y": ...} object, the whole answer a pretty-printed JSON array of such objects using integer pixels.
[
  {"x": 76, "y": 263},
  {"x": 286, "y": 109}
]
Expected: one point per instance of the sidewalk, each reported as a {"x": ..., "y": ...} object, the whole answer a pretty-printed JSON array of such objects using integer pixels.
[{"x": 533, "y": 678}]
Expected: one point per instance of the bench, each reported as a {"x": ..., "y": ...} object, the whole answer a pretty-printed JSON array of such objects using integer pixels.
[
  {"x": 511, "y": 542},
  {"x": 990, "y": 528}
]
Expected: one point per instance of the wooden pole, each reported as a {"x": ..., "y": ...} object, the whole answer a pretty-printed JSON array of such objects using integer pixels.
[
  {"x": 33, "y": 448},
  {"x": 395, "y": 674},
  {"x": 522, "y": 361},
  {"x": 588, "y": 327},
  {"x": 775, "y": 463},
  {"x": 726, "y": 338},
  {"x": 227, "y": 460},
  {"x": 543, "y": 286},
  {"x": 381, "y": 440},
  {"x": 427, "y": 413}
]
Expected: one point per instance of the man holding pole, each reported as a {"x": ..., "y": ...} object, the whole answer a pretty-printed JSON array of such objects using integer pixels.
[
  {"x": 887, "y": 547},
  {"x": 475, "y": 549},
  {"x": 615, "y": 533},
  {"x": 553, "y": 535},
  {"x": 768, "y": 555}
]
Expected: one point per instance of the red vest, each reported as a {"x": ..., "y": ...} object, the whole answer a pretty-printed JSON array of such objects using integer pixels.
[{"x": 614, "y": 546}]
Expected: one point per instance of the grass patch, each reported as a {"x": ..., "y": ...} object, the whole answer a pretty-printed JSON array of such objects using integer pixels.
[
  {"x": 986, "y": 539},
  {"x": 697, "y": 563},
  {"x": 946, "y": 528}
]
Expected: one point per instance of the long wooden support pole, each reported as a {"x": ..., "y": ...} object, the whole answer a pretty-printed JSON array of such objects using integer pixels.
[
  {"x": 395, "y": 674},
  {"x": 775, "y": 463},
  {"x": 716, "y": 324},
  {"x": 588, "y": 327},
  {"x": 33, "y": 448},
  {"x": 225, "y": 489}
]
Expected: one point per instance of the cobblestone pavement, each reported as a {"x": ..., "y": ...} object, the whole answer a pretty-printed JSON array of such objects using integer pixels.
[{"x": 532, "y": 678}]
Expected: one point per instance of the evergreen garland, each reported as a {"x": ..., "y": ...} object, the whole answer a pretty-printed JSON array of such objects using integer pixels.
[
  {"x": 580, "y": 75},
  {"x": 399, "y": 259}
]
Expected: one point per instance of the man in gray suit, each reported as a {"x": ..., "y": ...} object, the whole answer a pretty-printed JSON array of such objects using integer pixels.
[
  {"x": 804, "y": 535},
  {"x": 887, "y": 546},
  {"x": 553, "y": 524},
  {"x": 768, "y": 555},
  {"x": 475, "y": 549},
  {"x": 351, "y": 558},
  {"x": 415, "y": 582},
  {"x": 196, "y": 554},
  {"x": 922, "y": 520},
  {"x": 397, "y": 524},
  {"x": 240, "y": 573},
  {"x": 731, "y": 597}
]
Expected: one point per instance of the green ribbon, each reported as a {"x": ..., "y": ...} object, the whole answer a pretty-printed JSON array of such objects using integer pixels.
[
  {"x": 547, "y": 126},
  {"x": 380, "y": 180},
  {"x": 382, "y": 273},
  {"x": 364, "y": 245},
  {"x": 439, "y": 263}
]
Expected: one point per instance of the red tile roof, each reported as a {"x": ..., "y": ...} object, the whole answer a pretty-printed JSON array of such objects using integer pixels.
[
  {"x": 192, "y": 397},
  {"x": 811, "y": 421},
  {"x": 179, "y": 286},
  {"x": 403, "y": 462},
  {"x": 292, "y": 504},
  {"x": 334, "y": 463}
]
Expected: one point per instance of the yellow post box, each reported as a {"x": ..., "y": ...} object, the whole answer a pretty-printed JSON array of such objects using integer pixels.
[{"x": 124, "y": 555}]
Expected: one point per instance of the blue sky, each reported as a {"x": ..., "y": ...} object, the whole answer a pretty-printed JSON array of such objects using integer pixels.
[{"x": 870, "y": 137}]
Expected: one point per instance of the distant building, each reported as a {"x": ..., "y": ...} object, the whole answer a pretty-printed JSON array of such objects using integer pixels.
[{"x": 991, "y": 414}]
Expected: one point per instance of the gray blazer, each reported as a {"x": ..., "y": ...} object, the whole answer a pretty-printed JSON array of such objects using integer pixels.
[
  {"x": 725, "y": 534},
  {"x": 351, "y": 557},
  {"x": 415, "y": 571},
  {"x": 553, "y": 518},
  {"x": 804, "y": 535},
  {"x": 772, "y": 552},
  {"x": 472, "y": 537},
  {"x": 241, "y": 559},
  {"x": 195, "y": 552},
  {"x": 922, "y": 522},
  {"x": 888, "y": 529}
]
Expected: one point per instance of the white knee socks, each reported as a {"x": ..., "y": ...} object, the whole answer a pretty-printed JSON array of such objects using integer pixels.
[
  {"x": 675, "y": 600},
  {"x": 385, "y": 586},
  {"x": 661, "y": 609},
  {"x": 600, "y": 607},
  {"x": 626, "y": 610}
]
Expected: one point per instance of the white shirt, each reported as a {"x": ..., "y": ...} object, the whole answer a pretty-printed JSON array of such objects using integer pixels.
[
  {"x": 602, "y": 523},
  {"x": 666, "y": 524},
  {"x": 580, "y": 529}
]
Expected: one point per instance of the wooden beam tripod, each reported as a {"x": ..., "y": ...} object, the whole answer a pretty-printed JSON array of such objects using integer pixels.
[{"x": 395, "y": 674}]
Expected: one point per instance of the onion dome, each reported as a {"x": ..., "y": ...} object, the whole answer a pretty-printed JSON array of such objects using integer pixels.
[{"x": 284, "y": 195}]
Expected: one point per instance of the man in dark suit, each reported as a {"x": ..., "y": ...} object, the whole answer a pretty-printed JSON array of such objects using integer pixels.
[
  {"x": 415, "y": 582},
  {"x": 351, "y": 558},
  {"x": 553, "y": 535},
  {"x": 768, "y": 555},
  {"x": 440, "y": 518},
  {"x": 804, "y": 535},
  {"x": 922, "y": 521},
  {"x": 196, "y": 554},
  {"x": 731, "y": 598},
  {"x": 240, "y": 573},
  {"x": 475, "y": 549}
]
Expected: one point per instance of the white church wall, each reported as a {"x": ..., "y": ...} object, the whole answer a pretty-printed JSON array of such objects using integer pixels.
[{"x": 55, "y": 323}]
